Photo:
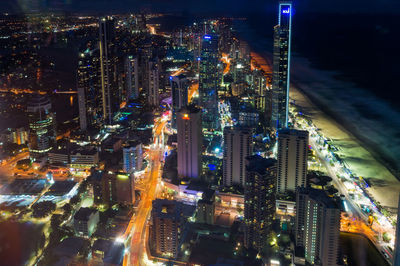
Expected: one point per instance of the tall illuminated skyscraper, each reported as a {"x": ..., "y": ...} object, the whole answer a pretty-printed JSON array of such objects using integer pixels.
[
  {"x": 42, "y": 133},
  {"x": 179, "y": 88},
  {"x": 153, "y": 88},
  {"x": 209, "y": 81},
  {"x": 131, "y": 68},
  {"x": 189, "y": 142},
  {"x": 281, "y": 67},
  {"x": 108, "y": 66},
  {"x": 89, "y": 87}
]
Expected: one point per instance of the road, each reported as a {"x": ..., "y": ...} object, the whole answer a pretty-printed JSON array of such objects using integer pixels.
[
  {"x": 357, "y": 222},
  {"x": 137, "y": 254},
  {"x": 7, "y": 168}
]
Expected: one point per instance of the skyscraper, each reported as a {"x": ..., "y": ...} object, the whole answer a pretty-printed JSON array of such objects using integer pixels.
[
  {"x": 317, "y": 226},
  {"x": 189, "y": 142},
  {"x": 259, "y": 200},
  {"x": 179, "y": 88},
  {"x": 131, "y": 77},
  {"x": 153, "y": 93},
  {"x": 238, "y": 144},
  {"x": 166, "y": 227},
  {"x": 89, "y": 87},
  {"x": 209, "y": 81},
  {"x": 292, "y": 160},
  {"x": 281, "y": 67},
  {"x": 108, "y": 67},
  {"x": 42, "y": 133},
  {"x": 132, "y": 156}
]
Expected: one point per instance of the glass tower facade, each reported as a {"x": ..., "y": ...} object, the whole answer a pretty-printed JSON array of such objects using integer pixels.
[
  {"x": 42, "y": 133},
  {"x": 209, "y": 81},
  {"x": 281, "y": 67}
]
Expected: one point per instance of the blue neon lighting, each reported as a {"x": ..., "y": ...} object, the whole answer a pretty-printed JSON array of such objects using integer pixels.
[
  {"x": 207, "y": 37},
  {"x": 212, "y": 167},
  {"x": 286, "y": 11},
  {"x": 170, "y": 78}
]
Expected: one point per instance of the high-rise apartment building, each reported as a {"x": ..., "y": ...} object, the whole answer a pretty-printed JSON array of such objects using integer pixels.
[
  {"x": 259, "y": 200},
  {"x": 42, "y": 132},
  {"x": 153, "y": 93},
  {"x": 292, "y": 160},
  {"x": 189, "y": 142},
  {"x": 89, "y": 87},
  {"x": 179, "y": 91},
  {"x": 238, "y": 144},
  {"x": 166, "y": 227},
  {"x": 281, "y": 67},
  {"x": 108, "y": 68},
  {"x": 209, "y": 82},
  {"x": 317, "y": 226},
  {"x": 131, "y": 68}
]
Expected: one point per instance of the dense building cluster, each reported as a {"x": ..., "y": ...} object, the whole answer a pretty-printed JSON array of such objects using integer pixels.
[{"x": 182, "y": 144}]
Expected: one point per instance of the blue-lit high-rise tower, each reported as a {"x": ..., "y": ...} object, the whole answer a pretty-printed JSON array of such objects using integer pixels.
[
  {"x": 209, "y": 81},
  {"x": 179, "y": 91},
  {"x": 281, "y": 67}
]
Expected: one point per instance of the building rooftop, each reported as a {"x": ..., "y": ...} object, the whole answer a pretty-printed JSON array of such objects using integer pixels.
[
  {"x": 84, "y": 214},
  {"x": 69, "y": 247},
  {"x": 256, "y": 163},
  {"x": 164, "y": 208},
  {"x": 293, "y": 132},
  {"x": 192, "y": 109},
  {"x": 319, "y": 196},
  {"x": 60, "y": 188}
]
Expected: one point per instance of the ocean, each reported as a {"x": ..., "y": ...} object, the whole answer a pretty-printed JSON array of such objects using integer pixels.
[{"x": 348, "y": 66}]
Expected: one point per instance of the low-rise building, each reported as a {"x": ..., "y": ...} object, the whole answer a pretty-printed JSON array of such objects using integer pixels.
[{"x": 85, "y": 221}]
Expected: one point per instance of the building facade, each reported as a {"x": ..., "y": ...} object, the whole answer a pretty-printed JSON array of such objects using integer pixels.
[
  {"x": 42, "y": 131},
  {"x": 153, "y": 93},
  {"x": 281, "y": 67},
  {"x": 132, "y": 157},
  {"x": 259, "y": 200},
  {"x": 189, "y": 142},
  {"x": 166, "y": 228},
  {"x": 292, "y": 160},
  {"x": 179, "y": 91},
  {"x": 209, "y": 82},
  {"x": 108, "y": 69},
  {"x": 317, "y": 226},
  {"x": 238, "y": 144},
  {"x": 131, "y": 68},
  {"x": 89, "y": 87}
]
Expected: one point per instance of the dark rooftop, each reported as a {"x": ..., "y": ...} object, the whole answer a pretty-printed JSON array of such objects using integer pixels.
[{"x": 83, "y": 214}]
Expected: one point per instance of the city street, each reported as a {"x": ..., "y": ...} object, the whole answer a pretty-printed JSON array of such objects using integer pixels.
[{"x": 138, "y": 225}]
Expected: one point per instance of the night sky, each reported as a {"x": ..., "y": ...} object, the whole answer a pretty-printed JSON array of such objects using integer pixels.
[{"x": 201, "y": 7}]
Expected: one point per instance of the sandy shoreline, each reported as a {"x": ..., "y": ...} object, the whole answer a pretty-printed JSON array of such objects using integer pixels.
[{"x": 385, "y": 186}]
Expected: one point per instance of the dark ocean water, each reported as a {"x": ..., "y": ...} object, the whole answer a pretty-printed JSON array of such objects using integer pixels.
[
  {"x": 348, "y": 65},
  {"x": 363, "y": 49}
]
